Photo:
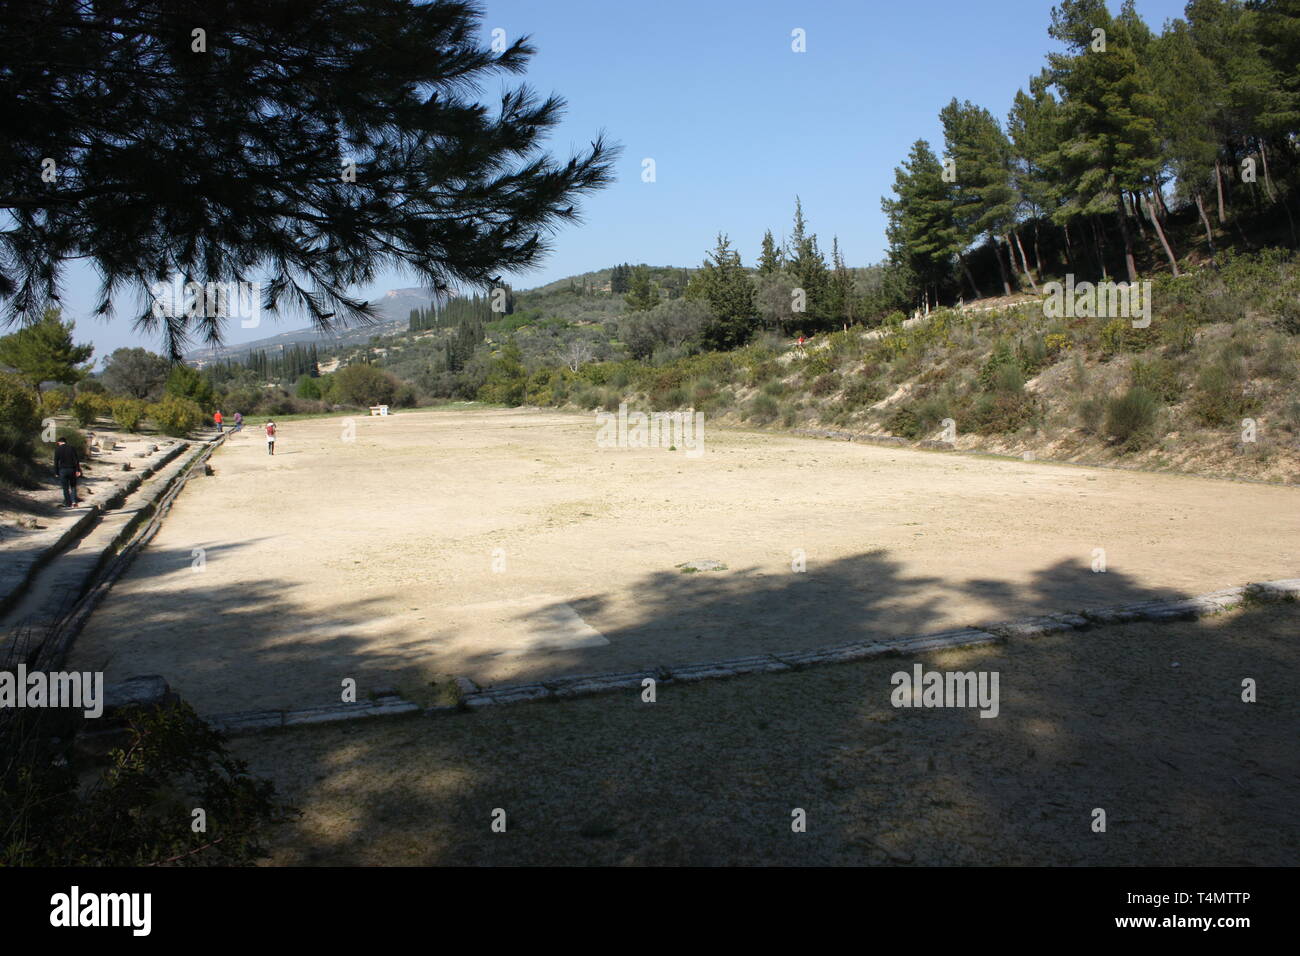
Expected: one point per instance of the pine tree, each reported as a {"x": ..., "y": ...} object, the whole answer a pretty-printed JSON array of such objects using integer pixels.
[
  {"x": 807, "y": 267},
  {"x": 770, "y": 260},
  {"x": 44, "y": 352},
  {"x": 725, "y": 287},
  {"x": 984, "y": 200},
  {"x": 1110, "y": 106},
  {"x": 641, "y": 295},
  {"x": 924, "y": 239},
  {"x": 214, "y": 163}
]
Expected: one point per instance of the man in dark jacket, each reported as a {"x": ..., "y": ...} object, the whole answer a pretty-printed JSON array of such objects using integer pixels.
[{"x": 68, "y": 469}]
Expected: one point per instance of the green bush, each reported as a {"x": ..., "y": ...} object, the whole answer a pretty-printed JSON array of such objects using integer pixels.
[
  {"x": 1219, "y": 397},
  {"x": 87, "y": 407},
  {"x": 1092, "y": 412},
  {"x": 1118, "y": 335},
  {"x": 176, "y": 416},
  {"x": 903, "y": 422},
  {"x": 761, "y": 372},
  {"x": 1001, "y": 412},
  {"x": 1288, "y": 314},
  {"x": 54, "y": 401},
  {"x": 364, "y": 385},
  {"x": 862, "y": 391},
  {"x": 59, "y": 808},
  {"x": 1159, "y": 377},
  {"x": 1131, "y": 418},
  {"x": 825, "y": 385},
  {"x": 763, "y": 409},
  {"x": 128, "y": 412},
  {"x": 308, "y": 387},
  {"x": 20, "y": 423}
]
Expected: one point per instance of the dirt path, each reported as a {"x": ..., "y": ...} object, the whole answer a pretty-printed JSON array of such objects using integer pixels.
[{"x": 277, "y": 578}]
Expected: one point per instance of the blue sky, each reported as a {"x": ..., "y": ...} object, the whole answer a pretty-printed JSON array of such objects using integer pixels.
[{"x": 737, "y": 123}]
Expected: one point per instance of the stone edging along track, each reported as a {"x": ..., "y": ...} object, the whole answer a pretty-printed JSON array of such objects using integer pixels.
[
  {"x": 120, "y": 548},
  {"x": 562, "y": 688},
  {"x": 39, "y": 549}
]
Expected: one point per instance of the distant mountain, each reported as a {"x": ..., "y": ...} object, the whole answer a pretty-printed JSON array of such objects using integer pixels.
[{"x": 394, "y": 308}]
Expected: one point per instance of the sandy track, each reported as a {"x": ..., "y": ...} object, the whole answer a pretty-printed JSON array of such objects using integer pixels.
[{"x": 374, "y": 558}]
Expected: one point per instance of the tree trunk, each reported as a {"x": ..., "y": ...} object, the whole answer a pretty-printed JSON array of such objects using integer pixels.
[
  {"x": 1160, "y": 197},
  {"x": 1038, "y": 252},
  {"x": 1024, "y": 260},
  {"x": 1137, "y": 214},
  {"x": 1218, "y": 182},
  {"x": 1205, "y": 221},
  {"x": 1069, "y": 246},
  {"x": 1268, "y": 180},
  {"x": 1002, "y": 266},
  {"x": 1169, "y": 253},
  {"x": 969, "y": 278},
  {"x": 1130, "y": 264},
  {"x": 1100, "y": 248}
]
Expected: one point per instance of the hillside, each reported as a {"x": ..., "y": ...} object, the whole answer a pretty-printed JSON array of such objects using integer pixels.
[
  {"x": 1208, "y": 388},
  {"x": 393, "y": 308}
]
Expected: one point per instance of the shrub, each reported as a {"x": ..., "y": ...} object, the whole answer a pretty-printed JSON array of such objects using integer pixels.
[
  {"x": 308, "y": 387},
  {"x": 1131, "y": 417},
  {"x": 1159, "y": 377},
  {"x": 407, "y": 396},
  {"x": 1055, "y": 343},
  {"x": 128, "y": 412},
  {"x": 761, "y": 372},
  {"x": 902, "y": 421},
  {"x": 818, "y": 362},
  {"x": 825, "y": 385},
  {"x": 1002, "y": 357},
  {"x": 87, "y": 407},
  {"x": 176, "y": 416},
  {"x": 20, "y": 423},
  {"x": 1219, "y": 398},
  {"x": 365, "y": 385},
  {"x": 1092, "y": 411},
  {"x": 763, "y": 409},
  {"x": 1288, "y": 314},
  {"x": 863, "y": 391},
  {"x": 999, "y": 412},
  {"x": 57, "y": 809},
  {"x": 1008, "y": 379},
  {"x": 1118, "y": 335},
  {"x": 54, "y": 401}
]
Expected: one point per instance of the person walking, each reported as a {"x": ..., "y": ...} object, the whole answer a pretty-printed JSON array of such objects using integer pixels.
[
  {"x": 239, "y": 422},
  {"x": 218, "y": 419},
  {"x": 270, "y": 438},
  {"x": 68, "y": 470}
]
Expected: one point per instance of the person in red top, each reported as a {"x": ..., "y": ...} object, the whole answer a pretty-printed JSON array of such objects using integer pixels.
[
  {"x": 270, "y": 438},
  {"x": 218, "y": 419}
]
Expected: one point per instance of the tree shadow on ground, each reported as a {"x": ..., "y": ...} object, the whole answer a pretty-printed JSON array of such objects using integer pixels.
[{"x": 711, "y": 773}]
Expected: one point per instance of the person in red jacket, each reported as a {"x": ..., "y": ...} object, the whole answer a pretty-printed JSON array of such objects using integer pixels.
[
  {"x": 270, "y": 438},
  {"x": 218, "y": 419}
]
